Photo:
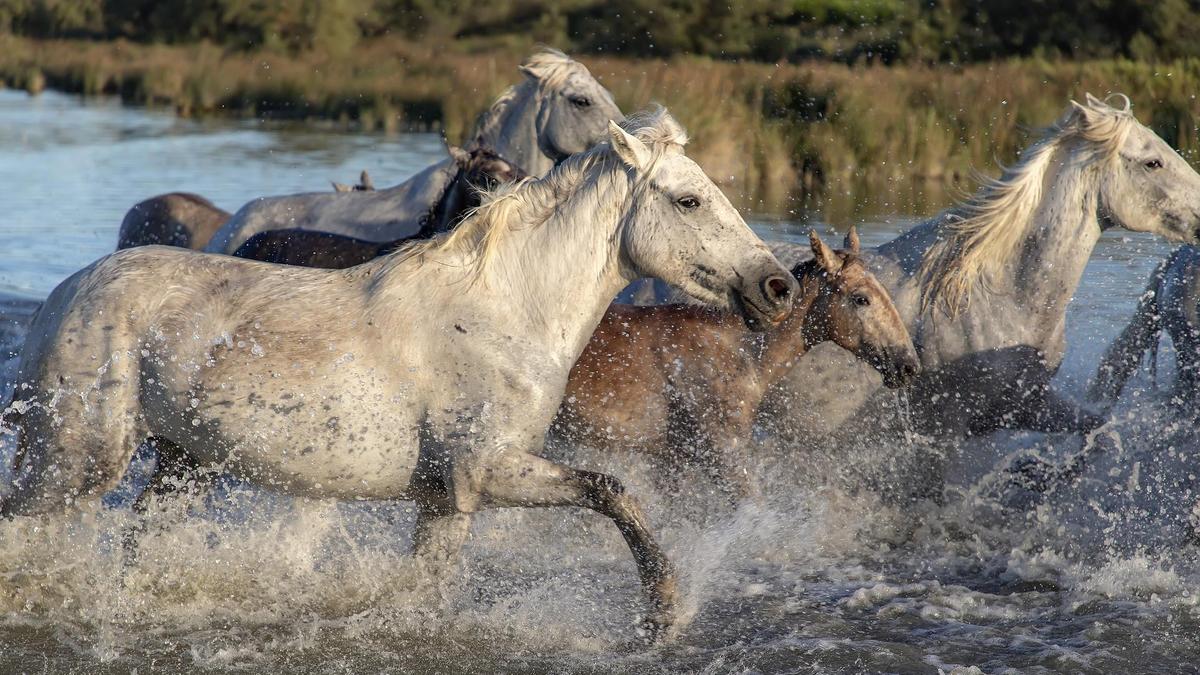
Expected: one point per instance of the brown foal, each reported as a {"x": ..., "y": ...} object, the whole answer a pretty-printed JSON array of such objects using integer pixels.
[{"x": 683, "y": 383}]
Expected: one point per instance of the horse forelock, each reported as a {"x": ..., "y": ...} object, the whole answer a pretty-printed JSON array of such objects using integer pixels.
[
  {"x": 552, "y": 68},
  {"x": 984, "y": 233}
]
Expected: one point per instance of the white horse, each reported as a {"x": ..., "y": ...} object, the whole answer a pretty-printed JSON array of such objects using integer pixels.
[
  {"x": 559, "y": 110},
  {"x": 984, "y": 287},
  {"x": 430, "y": 374}
]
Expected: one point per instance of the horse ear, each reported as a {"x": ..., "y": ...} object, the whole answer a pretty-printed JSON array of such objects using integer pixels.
[
  {"x": 824, "y": 255},
  {"x": 461, "y": 157},
  {"x": 341, "y": 187},
  {"x": 365, "y": 181},
  {"x": 628, "y": 147},
  {"x": 1087, "y": 115},
  {"x": 851, "y": 243}
]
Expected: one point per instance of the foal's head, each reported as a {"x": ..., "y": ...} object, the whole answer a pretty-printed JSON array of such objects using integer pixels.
[{"x": 853, "y": 310}]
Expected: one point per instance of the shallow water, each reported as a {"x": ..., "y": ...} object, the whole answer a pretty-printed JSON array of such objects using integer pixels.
[{"x": 1094, "y": 578}]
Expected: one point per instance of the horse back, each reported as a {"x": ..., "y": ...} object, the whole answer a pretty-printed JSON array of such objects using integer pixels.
[
  {"x": 310, "y": 249},
  {"x": 178, "y": 219}
]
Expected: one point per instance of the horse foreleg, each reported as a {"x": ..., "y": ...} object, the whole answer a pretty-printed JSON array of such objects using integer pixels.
[{"x": 523, "y": 479}]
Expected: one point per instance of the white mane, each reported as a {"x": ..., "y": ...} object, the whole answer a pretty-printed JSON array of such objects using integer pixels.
[{"x": 984, "y": 233}]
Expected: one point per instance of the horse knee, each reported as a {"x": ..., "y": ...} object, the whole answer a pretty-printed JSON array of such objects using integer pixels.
[{"x": 600, "y": 491}]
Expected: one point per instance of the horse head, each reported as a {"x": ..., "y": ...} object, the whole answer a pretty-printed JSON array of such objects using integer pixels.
[
  {"x": 681, "y": 228},
  {"x": 854, "y": 311},
  {"x": 1146, "y": 186},
  {"x": 573, "y": 108}
]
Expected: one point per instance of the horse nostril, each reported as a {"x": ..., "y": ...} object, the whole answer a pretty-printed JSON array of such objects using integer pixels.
[{"x": 776, "y": 289}]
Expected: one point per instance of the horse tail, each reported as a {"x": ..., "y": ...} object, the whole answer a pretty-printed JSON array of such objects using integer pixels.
[{"x": 1124, "y": 355}]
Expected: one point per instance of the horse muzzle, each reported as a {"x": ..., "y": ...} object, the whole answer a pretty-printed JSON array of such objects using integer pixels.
[
  {"x": 898, "y": 366},
  {"x": 767, "y": 302}
]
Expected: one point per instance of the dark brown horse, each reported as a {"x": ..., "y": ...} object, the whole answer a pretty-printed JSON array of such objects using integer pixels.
[
  {"x": 479, "y": 169},
  {"x": 174, "y": 219},
  {"x": 683, "y": 382}
]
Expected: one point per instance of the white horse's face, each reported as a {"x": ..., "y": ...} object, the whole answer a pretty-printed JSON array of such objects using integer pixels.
[
  {"x": 681, "y": 229},
  {"x": 574, "y": 116},
  {"x": 1150, "y": 188}
]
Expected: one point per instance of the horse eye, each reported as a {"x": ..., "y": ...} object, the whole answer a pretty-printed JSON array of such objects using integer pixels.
[
  {"x": 1154, "y": 164},
  {"x": 580, "y": 101},
  {"x": 860, "y": 300},
  {"x": 688, "y": 203}
]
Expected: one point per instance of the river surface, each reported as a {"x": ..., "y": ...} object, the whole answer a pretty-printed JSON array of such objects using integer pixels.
[{"x": 1097, "y": 577}]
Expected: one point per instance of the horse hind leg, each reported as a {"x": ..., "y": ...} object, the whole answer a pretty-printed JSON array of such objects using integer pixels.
[
  {"x": 175, "y": 472},
  {"x": 523, "y": 479}
]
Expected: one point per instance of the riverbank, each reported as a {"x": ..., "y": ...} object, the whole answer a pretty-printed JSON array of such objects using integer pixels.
[{"x": 771, "y": 133}]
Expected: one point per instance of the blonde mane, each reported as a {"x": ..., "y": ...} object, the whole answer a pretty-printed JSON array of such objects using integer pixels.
[
  {"x": 531, "y": 201},
  {"x": 549, "y": 68},
  {"x": 982, "y": 235}
]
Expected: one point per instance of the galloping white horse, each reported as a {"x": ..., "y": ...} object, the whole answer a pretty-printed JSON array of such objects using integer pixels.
[
  {"x": 559, "y": 110},
  {"x": 430, "y": 374},
  {"x": 984, "y": 287}
]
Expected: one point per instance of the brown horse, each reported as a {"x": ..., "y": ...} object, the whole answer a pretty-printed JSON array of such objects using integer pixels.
[
  {"x": 479, "y": 169},
  {"x": 683, "y": 382},
  {"x": 174, "y": 219}
]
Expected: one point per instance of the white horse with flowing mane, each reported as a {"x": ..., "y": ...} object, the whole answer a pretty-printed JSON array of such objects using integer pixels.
[
  {"x": 984, "y": 287},
  {"x": 429, "y": 374},
  {"x": 558, "y": 110}
]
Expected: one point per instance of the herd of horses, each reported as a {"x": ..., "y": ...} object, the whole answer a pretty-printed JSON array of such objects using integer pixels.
[{"x": 422, "y": 342}]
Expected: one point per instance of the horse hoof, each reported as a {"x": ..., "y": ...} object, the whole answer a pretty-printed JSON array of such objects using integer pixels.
[{"x": 654, "y": 629}]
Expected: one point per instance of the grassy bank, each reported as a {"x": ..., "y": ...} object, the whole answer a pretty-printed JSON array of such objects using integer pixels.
[{"x": 770, "y": 133}]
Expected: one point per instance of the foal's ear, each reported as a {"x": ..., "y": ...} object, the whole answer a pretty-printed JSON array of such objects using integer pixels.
[
  {"x": 461, "y": 157},
  {"x": 825, "y": 257},
  {"x": 851, "y": 242},
  {"x": 342, "y": 187},
  {"x": 628, "y": 147},
  {"x": 365, "y": 182}
]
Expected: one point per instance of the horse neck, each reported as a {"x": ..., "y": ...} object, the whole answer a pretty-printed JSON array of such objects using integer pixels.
[
  {"x": 562, "y": 274},
  {"x": 513, "y": 134},
  {"x": 781, "y": 346},
  {"x": 1048, "y": 268}
]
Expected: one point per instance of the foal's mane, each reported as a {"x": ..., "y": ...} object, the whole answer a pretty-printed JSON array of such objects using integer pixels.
[
  {"x": 549, "y": 67},
  {"x": 983, "y": 234},
  {"x": 531, "y": 202}
]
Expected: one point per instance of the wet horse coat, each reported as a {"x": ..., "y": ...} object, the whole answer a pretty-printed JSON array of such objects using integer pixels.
[
  {"x": 431, "y": 374},
  {"x": 480, "y": 169},
  {"x": 682, "y": 383}
]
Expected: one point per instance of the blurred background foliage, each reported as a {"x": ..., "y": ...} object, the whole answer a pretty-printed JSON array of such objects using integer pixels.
[
  {"x": 765, "y": 30},
  {"x": 785, "y": 99}
]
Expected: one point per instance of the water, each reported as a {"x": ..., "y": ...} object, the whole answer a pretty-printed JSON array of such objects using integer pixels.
[{"x": 1096, "y": 578}]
